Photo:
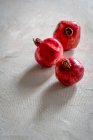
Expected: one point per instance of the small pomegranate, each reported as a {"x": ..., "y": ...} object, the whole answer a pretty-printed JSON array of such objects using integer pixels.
[
  {"x": 68, "y": 33},
  {"x": 69, "y": 71},
  {"x": 48, "y": 51}
]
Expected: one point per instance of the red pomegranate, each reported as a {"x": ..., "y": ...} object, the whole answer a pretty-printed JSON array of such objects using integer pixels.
[
  {"x": 68, "y": 33},
  {"x": 48, "y": 51},
  {"x": 69, "y": 71}
]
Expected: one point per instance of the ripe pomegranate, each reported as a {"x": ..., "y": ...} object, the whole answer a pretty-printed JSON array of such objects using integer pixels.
[
  {"x": 69, "y": 71},
  {"x": 68, "y": 33},
  {"x": 48, "y": 51}
]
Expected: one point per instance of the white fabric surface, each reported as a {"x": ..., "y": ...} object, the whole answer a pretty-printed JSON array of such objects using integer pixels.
[{"x": 33, "y": 104}]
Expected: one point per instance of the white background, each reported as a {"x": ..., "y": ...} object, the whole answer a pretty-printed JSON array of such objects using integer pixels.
[{"x": 33, "y": 104}]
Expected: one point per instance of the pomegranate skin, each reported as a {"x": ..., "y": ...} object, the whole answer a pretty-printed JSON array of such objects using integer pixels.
[
  {"x": 69, "y": 71},
  {"x": 68, "y": 33},
  {"x": 48, "y": 51}
]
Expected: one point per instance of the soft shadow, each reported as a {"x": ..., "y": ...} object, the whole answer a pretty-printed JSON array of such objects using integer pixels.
[
  {"x": 53, "y": 99},
  {"x": 69, "y": 53},
  {"x": 34, "y": 77}
]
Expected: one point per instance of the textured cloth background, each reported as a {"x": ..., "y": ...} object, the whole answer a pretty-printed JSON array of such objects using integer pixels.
[{"x": 33, "y": 105}]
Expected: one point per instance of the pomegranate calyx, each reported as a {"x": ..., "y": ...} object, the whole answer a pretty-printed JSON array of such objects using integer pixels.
[
  {"x": 66, "y": 64},
  {"x": 69, "y": 31},
  {"x": 37, "y": 41}
]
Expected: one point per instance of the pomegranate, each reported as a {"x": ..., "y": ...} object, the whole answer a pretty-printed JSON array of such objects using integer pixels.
[
  {"x": 68, "y": 33},
  {"x": 69, "y": 71},
  {"x": 48, "y": 51}
]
